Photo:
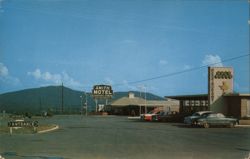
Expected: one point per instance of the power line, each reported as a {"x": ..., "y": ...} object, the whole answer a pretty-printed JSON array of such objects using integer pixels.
[
  {"x": 184, "y": 71},
  {"x": 86, "y": 87}
]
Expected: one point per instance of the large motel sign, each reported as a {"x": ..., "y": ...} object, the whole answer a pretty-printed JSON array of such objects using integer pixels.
[
  {"x": 102, "y": 92},
  {"x": 220, "y": 82}
]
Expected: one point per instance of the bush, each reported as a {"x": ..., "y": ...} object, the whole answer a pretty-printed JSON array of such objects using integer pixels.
[{"x": 28, "y": 115}]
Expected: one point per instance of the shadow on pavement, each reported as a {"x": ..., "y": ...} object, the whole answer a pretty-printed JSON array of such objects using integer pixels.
[
  {"x": 184, "y": 126},
  {"x": 15, "y": 154},
  {"x": 242, "y": 149}
]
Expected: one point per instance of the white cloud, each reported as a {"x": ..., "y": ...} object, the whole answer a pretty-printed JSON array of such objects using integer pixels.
[
  {"x": 55, "y": 78},
  {"x": 6, "y": 78},
  {"x": 70, "y": 81},
  {"x": 213, "y": 60},
  {"x": 128, "y": 86},
  {"x": 4, "y": 72},
  {"x": 12, "y": 81},
  {"x": 141, "y": 87},
  {"x": 1, "y": 6},
  {"x": 146, "y": 88},
  {"x": 46, "y": 76},
  {"x": 108, "y": 81},
  {"x": 36, "y": 74}
]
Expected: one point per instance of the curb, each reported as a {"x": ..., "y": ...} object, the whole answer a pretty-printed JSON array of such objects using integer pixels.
[
  {"x": 242, "y": 126},
  {"x": 134, "y": 117},
  {"x": 52, "y": 129}
]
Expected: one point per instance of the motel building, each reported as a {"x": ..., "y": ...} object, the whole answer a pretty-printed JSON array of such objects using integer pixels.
[
  {"x": 220, "y": 98},
  {"x": 134, "y": 106}
]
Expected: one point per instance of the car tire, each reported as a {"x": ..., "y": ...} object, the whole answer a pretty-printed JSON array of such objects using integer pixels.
[
  {"x": 232, "y": 125},
  {"x": 195, "y": 123},
  {"x": 206, "y": 125}
]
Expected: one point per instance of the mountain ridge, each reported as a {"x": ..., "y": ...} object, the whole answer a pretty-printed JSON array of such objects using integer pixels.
[{"x": 35, "y": 100}]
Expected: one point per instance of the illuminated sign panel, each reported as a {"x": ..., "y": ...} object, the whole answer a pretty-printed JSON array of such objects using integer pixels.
[
  {"x": 223, "y": 75},
  {"x": 102, "y": 91}
]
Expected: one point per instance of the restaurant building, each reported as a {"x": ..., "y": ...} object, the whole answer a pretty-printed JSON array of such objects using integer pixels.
[
  {"x": 192, "y": 103},
  {"x": 220, "y": 98}
]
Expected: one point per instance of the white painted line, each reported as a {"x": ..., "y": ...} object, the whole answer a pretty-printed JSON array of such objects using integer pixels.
[{"x": 52, "y": 129}]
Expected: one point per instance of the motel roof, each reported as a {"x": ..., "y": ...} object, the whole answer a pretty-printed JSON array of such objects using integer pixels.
[
  {"x": 237, "y": 95},
  {"x": 126, "y": 101},
  {"x": 205, "y": 96},
  {"x": 187, "y": 97}
]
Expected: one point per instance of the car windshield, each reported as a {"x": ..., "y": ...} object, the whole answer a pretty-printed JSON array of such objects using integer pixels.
[
  {"x": 196, "y": 114},
  {"x": 205, "y": 115},
  {"x": 212, "y": 115},
  {"x": 151, "y": 112},
  {"x": 157, "y": 112}
]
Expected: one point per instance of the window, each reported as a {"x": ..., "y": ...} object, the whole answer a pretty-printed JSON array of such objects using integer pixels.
[
  {"x": 186, "y": 102},
  {"x": 197, "y": 103},
  {"x": 191, "y": 103}
]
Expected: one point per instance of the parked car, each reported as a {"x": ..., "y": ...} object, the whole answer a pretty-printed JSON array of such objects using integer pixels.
[
  {"x": 216, "y": 119},
  {"x": 171, "y": 116},
  {"x": 142, "y": 116},
  {"x": 151, "y": 115},
  {"x": 192, "y": 120},
  {"x": 156, "y": 115}
]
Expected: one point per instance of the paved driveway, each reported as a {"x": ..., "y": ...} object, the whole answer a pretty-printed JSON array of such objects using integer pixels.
[{"x": 112, "y": 137}]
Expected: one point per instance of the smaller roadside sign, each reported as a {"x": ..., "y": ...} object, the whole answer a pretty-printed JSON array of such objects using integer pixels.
[{"x": 23, "y": 124}]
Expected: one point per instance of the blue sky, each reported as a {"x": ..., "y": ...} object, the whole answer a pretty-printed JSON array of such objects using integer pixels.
[{"x": 86, "y": 42}]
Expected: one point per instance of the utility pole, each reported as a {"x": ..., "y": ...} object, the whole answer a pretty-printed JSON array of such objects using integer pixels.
[
  {"x": 86, "y": 102},
  {"x": 140, "y": 104},
  {"x": 96, "y": 105},
  {"x": 40, "y": 104},
  {"x": 62, "y": 99},
  {"x": 81, "y": 106},
  {"x": 145, "y": 99},
  {"x": 85, "y": 105}
]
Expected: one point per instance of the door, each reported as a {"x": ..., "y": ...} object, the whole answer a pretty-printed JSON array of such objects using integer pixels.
[{"x": 248, "y": 108}]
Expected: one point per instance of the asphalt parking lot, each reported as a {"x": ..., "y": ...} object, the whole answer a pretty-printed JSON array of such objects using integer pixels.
[{"x": 116, "y": 137}]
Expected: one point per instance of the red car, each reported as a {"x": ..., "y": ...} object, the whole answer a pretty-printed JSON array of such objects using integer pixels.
[{"x": 149, "y": 116}]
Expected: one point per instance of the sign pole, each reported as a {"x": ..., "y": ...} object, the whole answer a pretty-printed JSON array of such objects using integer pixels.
[
  {"x": 95, "y": 105},
  {"x": 145, "y": 100},
  {"x": 86, "y": 104},
  {"x": 10, "y": 130}
]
